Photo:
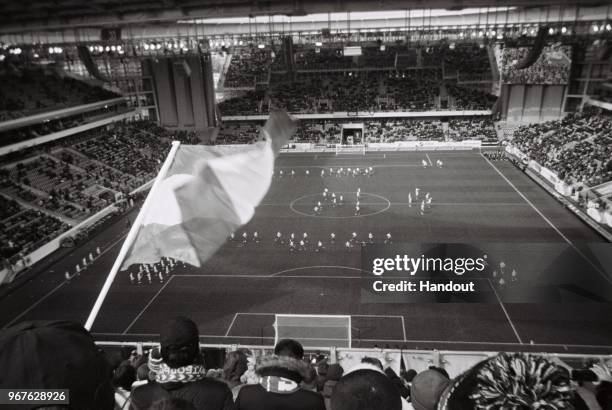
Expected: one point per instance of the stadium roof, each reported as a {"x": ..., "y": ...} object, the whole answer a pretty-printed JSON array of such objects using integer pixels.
[{"x": 25, "y": 15}]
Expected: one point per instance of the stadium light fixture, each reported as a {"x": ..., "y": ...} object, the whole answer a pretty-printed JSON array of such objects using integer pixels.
[
  {"x": 563, "y": 30},
  {"x": 608, "y": 27},
  {"x": 107, "y": 49},
  {"x": 51, "y": 50},
  {"x": 2, "y": 57},
  {"x": 261, "y": 46},
  {"x": 595, "y": 28},
  {"x": 113, "y": 48},
  {"x": 146, "y": 46},
  {"x": 318, "y": 44},
  {"x": 551, "y": 31},
  {"x": 240, "y": 43},
  {"x": 91, "y": 49}
]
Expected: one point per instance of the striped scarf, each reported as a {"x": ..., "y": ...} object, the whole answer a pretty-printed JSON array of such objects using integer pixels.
[{"x": 167, "y": 374}]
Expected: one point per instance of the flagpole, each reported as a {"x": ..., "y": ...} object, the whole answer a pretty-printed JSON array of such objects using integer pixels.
[{"x": 131, "y": 236}]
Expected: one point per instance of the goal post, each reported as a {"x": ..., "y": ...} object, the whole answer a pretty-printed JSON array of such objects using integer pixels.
[
  {"x": 358, "y": 149},
  {"x": 314, "y": 331}
]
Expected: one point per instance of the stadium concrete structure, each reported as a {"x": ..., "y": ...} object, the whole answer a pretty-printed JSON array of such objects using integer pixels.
[{"x": 469, "y": 122}]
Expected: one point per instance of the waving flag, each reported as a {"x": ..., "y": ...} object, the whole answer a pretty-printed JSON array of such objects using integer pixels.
[{"x": 207, "y": 193}]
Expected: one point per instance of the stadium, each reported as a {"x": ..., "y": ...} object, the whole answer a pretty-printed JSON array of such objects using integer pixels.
[{"x": 306, "y": 205}]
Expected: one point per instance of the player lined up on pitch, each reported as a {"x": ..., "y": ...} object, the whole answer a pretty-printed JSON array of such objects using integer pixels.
[
  {"x": 302, "y": 243},
  {"x": 154, "y": 271},
  {"x": 330, "y": 172}
]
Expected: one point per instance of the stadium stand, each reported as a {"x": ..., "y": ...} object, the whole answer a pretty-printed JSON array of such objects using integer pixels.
[
  {"x": 30, "y": 91},
  {"x": 247, "y": 67},
  {"x": 24, "y": 230},
  {"x": 66, "y": 181},
  {"x": 404, "y": 94},
  {"x": 472, "y": 129},
  {"x": 404, "y": 130},
  {"x": 327, "y": 81},
  {"x": 385, "y": 130},
  {"x": 577, "y": 147}
]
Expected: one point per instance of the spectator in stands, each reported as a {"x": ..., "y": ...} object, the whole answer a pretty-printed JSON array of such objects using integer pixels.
[
  {"x": 426, "y": 389},
  {"x": 123, "y": 377},
  {"x": 143, "y": 375},
  {"x": 279, "y": 384},
  {"x": 236, "y": 364},
  {"x": 180, "y": 372},
  {"x": 334, "y": 373},
  {"x": 366, "y": 388},
  {"x": 373, "y": 361},
  {"x": 56, "y": 355}
]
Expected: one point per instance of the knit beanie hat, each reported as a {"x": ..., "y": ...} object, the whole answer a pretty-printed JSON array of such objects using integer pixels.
[
  {"x": 510, "y": 381},
  {"x": 426, "y": 389},
  {"x": 179, "y": 340}
]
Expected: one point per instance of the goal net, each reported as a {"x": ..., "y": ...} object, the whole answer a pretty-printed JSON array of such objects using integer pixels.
[
  {"x": 314, "y": 331},
  {"x": 359, "y": 149}
]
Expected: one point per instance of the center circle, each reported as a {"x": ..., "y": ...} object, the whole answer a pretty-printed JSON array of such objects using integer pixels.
[{"x": 370, "y": 204}]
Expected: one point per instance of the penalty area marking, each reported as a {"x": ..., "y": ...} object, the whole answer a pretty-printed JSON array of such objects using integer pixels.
[{"x": 397, "y": 317}]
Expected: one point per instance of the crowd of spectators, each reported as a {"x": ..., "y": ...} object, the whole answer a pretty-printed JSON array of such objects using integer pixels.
[
  {"x": 404, "y": 130},
  {"x": 551, "y": 67},
  {"x": 176, "y": 375},
  {"x": 469, "y": 99},
  {"x": 389, "y": 78},
  {"x": 578, "y": 147},
  {"x": 30, "y": 91},
  {"x": 472, "y": 129},
  {"x": 24, "y": 229},
  {"x": 238, "y": 133},
  {"x": 65, "y": 181},
  {"x": 250, "y": 103},
  {"x": 327, "y": 131},
  {"x": 356, "y": 91},
  {"x": 248, "y": 66}
]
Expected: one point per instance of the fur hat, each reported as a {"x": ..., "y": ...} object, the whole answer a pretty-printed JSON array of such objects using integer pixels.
[{"x": 283, "y": 366}]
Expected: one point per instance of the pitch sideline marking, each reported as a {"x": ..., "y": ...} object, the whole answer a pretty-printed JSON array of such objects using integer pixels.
[
  {"x": 602, "y": 274},
  {"x": 147, "y": 305},
  {"x": 55, "y": 289},
  {"x": 505, "y": 313}
]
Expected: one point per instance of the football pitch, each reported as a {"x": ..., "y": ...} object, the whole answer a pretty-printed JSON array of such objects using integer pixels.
[{"x": 234, "y": 297}]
